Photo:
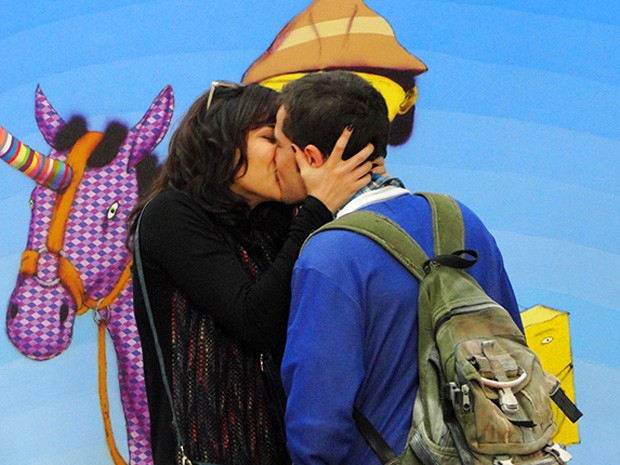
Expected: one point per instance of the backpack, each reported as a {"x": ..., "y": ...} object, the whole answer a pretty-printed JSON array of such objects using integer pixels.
[{"x": 483, "y": 397}]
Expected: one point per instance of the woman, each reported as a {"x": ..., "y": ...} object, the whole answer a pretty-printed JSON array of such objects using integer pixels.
[{"x": 218, "y": 248}]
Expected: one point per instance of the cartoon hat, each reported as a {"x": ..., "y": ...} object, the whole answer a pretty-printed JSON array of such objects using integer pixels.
[{"x": 343, "y": 34}]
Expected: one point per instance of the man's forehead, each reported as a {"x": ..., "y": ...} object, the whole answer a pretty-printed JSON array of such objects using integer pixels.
[{"x": 280, "y": 116}]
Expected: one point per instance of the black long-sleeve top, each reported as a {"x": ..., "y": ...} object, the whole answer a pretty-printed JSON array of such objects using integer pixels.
[{"x": 183, "y": 249}]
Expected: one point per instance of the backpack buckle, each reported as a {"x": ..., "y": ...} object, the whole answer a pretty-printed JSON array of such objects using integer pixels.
[
  {"x": 507, "y": 400},
  {"x": 561, "y": 455}
]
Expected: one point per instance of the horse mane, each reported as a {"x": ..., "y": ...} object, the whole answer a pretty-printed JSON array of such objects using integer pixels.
[
  {"x": 146, "y": 172},
  {"x": 70, "y": 133},
  {"x": 107, "y": 149}
]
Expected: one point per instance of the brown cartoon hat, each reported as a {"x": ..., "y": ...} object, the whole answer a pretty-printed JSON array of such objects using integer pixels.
[{"x": 332, "y": 34}]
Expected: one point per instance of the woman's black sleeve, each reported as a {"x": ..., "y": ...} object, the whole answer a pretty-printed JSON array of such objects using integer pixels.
[{"x": 181, "y": 239}]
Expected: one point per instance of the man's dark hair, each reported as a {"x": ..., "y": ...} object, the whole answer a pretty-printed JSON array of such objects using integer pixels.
[{"x": 320, "y": 105}]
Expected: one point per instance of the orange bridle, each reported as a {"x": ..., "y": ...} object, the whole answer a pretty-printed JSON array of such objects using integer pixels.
[{"x": 67, "y": 273}]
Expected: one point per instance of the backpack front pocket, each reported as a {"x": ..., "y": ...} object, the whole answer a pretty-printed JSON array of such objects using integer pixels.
[{"x": 504, "y": 404}]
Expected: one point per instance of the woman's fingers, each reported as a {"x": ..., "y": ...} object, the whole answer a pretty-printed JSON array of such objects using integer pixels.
[
  {"x": 300, "y": 158},
  {"x": 335, "y": 181},
  {"x": 378, "y": 166},
  {"x": 359, "y": 177},
  {"x": 341, "y": 144},
  {"x": 361, "y": 156}
]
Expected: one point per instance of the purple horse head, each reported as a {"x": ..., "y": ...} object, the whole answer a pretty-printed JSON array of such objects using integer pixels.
[{"x": 75, "y": 257}]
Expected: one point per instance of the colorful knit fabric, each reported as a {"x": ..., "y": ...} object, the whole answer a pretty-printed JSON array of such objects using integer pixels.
[
  {"x": 224, "y": 405},
  {"x": 42, "y": 169}
]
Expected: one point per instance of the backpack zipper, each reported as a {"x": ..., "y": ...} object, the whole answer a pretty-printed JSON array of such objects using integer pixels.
[{"x": 462, "y": 310}]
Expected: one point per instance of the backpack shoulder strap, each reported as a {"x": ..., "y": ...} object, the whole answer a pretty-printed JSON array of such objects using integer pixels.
[
  {"x": 387, "y": 234},
  {"x": 448, "y": 226},
  {"x": 448, "y": 231}
]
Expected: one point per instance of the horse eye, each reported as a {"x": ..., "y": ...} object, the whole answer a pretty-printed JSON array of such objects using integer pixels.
[{"x": 112, "y": 209}]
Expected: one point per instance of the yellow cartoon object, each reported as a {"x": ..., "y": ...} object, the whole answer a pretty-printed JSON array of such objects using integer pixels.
[
  {"x": 547, "y": 334},
  {"x": 343, "y": 34}
]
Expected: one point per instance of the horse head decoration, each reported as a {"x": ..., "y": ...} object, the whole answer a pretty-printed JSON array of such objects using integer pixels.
[{"x": 75, "y": 258}]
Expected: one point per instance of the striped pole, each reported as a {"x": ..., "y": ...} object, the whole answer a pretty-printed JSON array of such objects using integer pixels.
[{"x": 40, "y": 168}]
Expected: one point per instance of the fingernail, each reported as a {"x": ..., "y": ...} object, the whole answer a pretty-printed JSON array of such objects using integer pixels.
[
  {"x": 294, "y": 149},
  {"x": 349, "y": 127}
]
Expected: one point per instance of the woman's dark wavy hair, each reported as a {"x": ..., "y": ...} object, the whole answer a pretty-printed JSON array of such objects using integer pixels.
[{"x": 202, "y": 157}]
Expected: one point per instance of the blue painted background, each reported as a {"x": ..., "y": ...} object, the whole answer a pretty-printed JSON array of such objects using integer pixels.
[{"x": 518, "y": 117}]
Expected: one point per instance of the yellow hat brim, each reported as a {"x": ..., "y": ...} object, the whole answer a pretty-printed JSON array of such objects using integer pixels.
[{"x": 398, "y": 100}]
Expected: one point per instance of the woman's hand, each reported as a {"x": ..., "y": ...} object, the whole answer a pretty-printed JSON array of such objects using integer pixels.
[
  {"x": 378, "y": 166},
  {"x": 333, "y": 180}
]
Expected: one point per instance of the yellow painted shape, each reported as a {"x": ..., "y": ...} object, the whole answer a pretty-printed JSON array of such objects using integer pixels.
[
  {"x": 548, "y": 335},
  {"x": 396, "y": 98}
]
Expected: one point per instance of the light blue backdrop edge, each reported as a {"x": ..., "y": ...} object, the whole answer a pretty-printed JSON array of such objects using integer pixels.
[{"x": 517, "y": 117}]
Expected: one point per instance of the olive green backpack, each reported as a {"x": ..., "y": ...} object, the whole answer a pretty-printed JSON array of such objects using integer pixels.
[{"x": 483, "y": 397}]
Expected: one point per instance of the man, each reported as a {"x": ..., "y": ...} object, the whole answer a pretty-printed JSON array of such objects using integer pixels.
[{"x": 352, "y": 334}]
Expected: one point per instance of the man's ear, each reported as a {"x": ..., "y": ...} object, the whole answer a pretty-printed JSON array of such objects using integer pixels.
[{"x": 314, "y": 156}]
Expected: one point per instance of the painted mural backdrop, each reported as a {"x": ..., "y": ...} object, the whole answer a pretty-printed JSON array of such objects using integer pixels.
[{"x": 516, "y": 116}]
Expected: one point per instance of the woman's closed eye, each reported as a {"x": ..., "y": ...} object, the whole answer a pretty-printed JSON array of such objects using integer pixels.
[{"x": 266, "y": 133}]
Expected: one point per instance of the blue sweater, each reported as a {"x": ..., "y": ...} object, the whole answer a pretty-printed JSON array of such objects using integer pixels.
[{"x": 352, "y": 335}]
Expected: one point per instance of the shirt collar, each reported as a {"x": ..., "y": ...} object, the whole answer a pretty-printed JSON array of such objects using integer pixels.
[{"x": 377, "y": 183}]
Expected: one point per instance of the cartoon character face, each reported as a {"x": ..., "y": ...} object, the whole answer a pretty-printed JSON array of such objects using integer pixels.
[{"x": 548, "y": 335}]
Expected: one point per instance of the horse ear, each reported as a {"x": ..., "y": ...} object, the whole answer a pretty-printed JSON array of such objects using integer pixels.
[
  {"x": 152, "y": 128},
  {"x": 48, "y": 119}
]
